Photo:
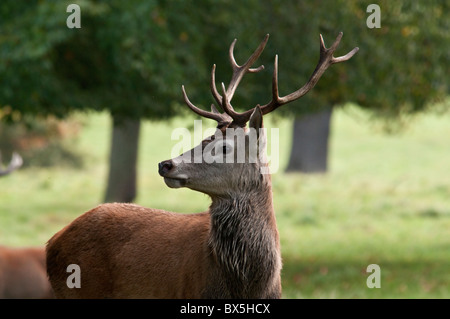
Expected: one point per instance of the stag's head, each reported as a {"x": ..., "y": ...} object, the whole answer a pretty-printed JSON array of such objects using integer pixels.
[{"x": 233, "y": 159}]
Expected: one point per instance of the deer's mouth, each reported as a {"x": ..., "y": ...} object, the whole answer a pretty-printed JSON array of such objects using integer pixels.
[{"x": 175, "y": 182}]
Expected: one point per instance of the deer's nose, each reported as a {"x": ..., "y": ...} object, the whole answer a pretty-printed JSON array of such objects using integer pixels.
[{"x": 164, "y": 167}]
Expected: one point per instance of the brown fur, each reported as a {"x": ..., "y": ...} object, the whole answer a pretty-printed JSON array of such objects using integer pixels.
[
  {"x": 23, "y": 273},
  {"x": 128, "y": 251}
]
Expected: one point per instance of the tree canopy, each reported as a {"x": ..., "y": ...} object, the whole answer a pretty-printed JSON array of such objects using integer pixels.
[{"x": 131, "y": 57}]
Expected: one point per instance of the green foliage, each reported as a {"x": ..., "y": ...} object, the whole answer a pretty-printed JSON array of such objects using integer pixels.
[
  {"x": 401, "y": 68},
  {"x": 131, "y": 57},
  {"x": 126, "y": 58}
]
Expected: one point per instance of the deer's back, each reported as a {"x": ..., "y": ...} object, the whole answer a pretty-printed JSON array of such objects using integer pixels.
[{"x": 125, "y": 250}]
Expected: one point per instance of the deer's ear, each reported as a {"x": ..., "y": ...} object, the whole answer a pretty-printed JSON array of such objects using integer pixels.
[
  {"x": 256, "y": 120},
  {"x": 255, "y": 126}
]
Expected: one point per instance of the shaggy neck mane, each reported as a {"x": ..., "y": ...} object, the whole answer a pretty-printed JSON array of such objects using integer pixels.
[{"x": 244, "y": 238}]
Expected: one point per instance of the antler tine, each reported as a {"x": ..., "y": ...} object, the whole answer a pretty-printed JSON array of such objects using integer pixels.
[
  {"x": 345, "y": 57},
  {"x": 275, "y": 96},
  {"x": 239, "y": 119},
  {"x": 226, "y": 106},
  {"x": 214, "y": 91},
  {"x": 214, "y": 114},
  {"x": 244, "y": 116},
  {"x": 326, "y": 59},
  {"x": 240, "y": 70},
  {"x": 251, "y": 59}
]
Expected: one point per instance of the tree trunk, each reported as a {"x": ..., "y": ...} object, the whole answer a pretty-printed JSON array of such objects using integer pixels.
[
  {"x": 123, "y": 160},
  {"x": 309, "y": 153}
]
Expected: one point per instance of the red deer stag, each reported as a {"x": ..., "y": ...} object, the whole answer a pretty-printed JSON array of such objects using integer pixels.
[
  {"x": 22, "y": 270},
  {"x": 231, "y": 250}
]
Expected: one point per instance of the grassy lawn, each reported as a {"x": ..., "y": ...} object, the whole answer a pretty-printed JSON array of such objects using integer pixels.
[{"x": 385, "y": 201}]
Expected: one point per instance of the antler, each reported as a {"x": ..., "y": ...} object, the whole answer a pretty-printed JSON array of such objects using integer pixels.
[
  {"x": 221, "y": 118},
  {"x": 16, "y": 162},
  {"x": 326, "y": 59},
  {"x": 238, "y": 72}
]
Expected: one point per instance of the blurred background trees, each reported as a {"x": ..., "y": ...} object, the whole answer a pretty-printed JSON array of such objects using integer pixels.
[{"x": 131, "y": 57}]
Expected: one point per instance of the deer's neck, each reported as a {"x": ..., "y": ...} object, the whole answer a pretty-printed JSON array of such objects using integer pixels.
[{"x": 244, "y": 240}]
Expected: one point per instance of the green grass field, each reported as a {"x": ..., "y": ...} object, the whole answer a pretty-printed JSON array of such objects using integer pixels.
[{"x": 385, "y": 201}]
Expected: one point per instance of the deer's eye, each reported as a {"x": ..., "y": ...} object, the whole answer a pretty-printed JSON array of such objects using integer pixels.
[{"x": 226, "y": 148}]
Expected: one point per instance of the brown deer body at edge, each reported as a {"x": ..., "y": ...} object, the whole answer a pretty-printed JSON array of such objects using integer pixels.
[
  {"x": 230, "y": 251},
  {"x": 23, "y": 273},
  {"x": 22, "y": 270}
]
